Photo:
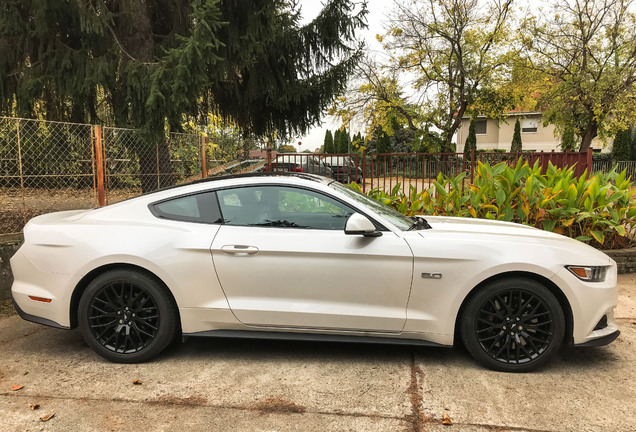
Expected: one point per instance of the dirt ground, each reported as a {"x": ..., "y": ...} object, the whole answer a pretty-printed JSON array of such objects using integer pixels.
[{"x": 242, "y": 385}]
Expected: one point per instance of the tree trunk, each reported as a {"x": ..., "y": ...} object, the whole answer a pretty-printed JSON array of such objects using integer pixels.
[
  {"x": 590, "y": 133},
  {"x": 136, "y": 38}
]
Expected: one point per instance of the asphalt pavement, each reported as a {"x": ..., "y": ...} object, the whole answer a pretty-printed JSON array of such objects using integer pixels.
[{"x": 242, "y": 385}]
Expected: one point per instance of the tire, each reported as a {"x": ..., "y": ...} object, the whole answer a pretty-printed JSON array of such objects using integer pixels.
[
  {"x": 127, "y": 316},
  {"x": 512, "y": 325}
]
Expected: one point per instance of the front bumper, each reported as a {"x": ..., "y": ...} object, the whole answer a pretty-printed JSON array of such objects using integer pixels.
[
  {"x": 602, "y": 341},
  {"x": 590, "y": 303}
]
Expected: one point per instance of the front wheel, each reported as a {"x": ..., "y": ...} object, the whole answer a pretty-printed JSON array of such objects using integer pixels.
[
  {"x": 127, "y": 317},
  {"x": 513, "y": 325}
]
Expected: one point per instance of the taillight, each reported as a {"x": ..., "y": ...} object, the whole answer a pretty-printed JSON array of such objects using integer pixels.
[{"x": 298, "y": 169}]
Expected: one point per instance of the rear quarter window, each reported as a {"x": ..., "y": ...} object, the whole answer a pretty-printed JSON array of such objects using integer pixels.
[{"x": 201, "y": 208}]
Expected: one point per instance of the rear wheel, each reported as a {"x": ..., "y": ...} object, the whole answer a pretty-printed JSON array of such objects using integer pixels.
[
  {"x": 127, "y": 317},
  {"x": 513, "y": 325}
]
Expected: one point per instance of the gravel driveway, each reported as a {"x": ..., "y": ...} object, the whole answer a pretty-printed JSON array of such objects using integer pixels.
[{"x": 241, "y": 385}]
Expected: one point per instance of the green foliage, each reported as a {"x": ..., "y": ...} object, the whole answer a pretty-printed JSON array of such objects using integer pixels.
[
  {"x": 287, "y": 148},
  {"x": 150, "y": 64},
  {"x": 600, "y": 210},
  {"x": 457, "y": 50},
  {"x": 586, "y": 50},
  {"x": 341, "y": 141},
  {"x": 516, "y": 146},
  {"x": 471, "y": 140},
  {"x": 328, "y": 143},
  {"x": 383, "y": 144},
  {"x": 568, "y": 142},
  {"x": 622, "y": 146}
]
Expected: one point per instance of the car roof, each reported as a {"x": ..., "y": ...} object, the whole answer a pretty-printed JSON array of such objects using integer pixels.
[{"x": 265, "y": 176}]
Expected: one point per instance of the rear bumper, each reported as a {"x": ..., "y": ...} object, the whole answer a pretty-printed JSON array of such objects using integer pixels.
[{"x": 36, "y": 319}]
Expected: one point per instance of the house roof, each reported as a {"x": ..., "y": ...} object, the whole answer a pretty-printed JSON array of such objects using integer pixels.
[{"x": 511, "y": 114}]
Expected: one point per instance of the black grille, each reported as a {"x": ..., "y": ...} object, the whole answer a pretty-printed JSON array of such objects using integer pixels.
[{"x": 602, "y": 323}]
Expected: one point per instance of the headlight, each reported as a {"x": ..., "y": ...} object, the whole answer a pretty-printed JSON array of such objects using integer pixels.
[{"x": 589, "y": 274}]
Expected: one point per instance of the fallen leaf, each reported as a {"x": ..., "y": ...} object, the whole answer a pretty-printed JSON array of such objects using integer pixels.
[
  {"x": 446, "y": 420},
  {"x": 33, "y": 407},
  {"x": 47, "y": 417},
  {"x": 137, "y": 382},
  {"x": 16, "y": 387}
]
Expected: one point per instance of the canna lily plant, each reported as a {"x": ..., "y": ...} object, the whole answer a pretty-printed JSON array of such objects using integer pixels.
[{"x": 599, "y": 210}]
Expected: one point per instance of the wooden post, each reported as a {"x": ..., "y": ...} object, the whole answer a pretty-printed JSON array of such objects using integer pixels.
[
  {"x": 204, "y": 157},
  {"x": 269, "y": 155},
  {"x": 99, "y": 166},
  {"x": 589, "y": 162},
  {"x": 472, "y": 166}
]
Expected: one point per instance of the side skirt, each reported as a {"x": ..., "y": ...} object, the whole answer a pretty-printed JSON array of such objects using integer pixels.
[{"x": 250, "y": 334}]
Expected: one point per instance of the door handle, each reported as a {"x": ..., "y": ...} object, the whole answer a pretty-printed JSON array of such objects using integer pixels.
[{"x": 240, "y": 250}]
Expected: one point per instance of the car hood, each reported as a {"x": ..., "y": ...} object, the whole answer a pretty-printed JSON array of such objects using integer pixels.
[
  {"x": 486, "y": 226},
  {"x": 495, "y": 237}
]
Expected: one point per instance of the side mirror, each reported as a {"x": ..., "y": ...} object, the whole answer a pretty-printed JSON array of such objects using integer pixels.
[{"x": 358, "y": 224}]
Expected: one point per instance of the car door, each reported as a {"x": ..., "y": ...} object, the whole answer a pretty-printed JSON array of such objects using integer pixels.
[{"x": 283, "y": 260}]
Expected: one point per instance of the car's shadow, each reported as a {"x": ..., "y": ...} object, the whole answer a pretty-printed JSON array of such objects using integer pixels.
[{"x": 69, "y": 345}]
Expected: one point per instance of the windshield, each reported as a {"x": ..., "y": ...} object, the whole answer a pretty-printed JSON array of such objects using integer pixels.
[{"x": 396, "y": 218}]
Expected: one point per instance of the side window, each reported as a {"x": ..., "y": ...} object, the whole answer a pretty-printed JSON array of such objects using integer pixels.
[
  {"x": 282, "y": 207},
  {"x": 202, "y": 208}
]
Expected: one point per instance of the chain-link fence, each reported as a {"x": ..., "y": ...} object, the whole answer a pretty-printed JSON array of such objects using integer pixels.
[
  {"x": 44, "y": 166},
  {"x": 51, "y": 166},
  {"x": 134, "y": 165}
]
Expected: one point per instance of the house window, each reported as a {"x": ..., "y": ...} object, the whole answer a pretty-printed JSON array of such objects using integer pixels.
[
  {"x": 529, "y": 125},
  {"x": 480, "y": 126}
]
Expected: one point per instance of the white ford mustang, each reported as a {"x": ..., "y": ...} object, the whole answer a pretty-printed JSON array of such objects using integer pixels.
[{"x": 302, "y": 257}]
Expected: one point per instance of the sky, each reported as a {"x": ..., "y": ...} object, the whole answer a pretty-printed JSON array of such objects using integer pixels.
[{"x": 378, "y": 10}]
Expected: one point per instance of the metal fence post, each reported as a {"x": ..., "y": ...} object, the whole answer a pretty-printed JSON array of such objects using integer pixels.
[
  {"x": 364, "y": 171},
  {"x": 158, "y": 169},
  {"x": 204, "y": 157},
  {"x": 24, "y": 216},
  {"x": 589, "y": 162},
  {"x": 472, "y": 166},
  {"x": 99, "y": 165}
]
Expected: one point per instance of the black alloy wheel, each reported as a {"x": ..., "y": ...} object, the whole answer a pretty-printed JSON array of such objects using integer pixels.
[
  {"x": 513, "y": 325},
  {"x": 127, "y": 316}
]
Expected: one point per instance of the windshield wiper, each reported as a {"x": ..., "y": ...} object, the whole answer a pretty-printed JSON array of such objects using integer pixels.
[{"x": 419, "y": 223}]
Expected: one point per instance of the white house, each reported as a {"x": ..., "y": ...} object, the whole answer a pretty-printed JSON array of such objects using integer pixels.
[{"x": 497, "y": 134}]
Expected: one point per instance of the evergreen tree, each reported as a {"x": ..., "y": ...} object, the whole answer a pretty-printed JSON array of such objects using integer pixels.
[
  {"x": 383, "y": 145},
  {"x": 516, "y": 146},
  {"x": 328, "y": 143},
  {"x": 336, "y": 139},
  {"x": 471, "y": 140},
  {"x": 340, "y": 141},
  {"x": 150, "y": 64},
  {"x": 622, "y": 146},
  {"x": 568, "y": 142},
  {"x": 346, "y": 142}
]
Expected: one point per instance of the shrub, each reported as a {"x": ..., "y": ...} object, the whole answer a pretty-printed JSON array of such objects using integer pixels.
[
  {"x": 471, "y": 140},
  {"x": 622, "y": 146},
  {"x": 600, "y": 211},
  {"x": 516, "y": 146}
]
